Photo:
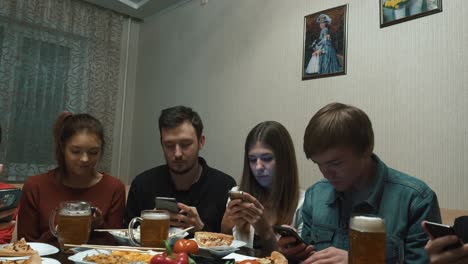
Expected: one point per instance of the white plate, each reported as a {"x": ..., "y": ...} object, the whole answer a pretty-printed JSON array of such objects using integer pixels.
[
  {"x": 238, "y": 257},
  {"x": 225, "y": 250},
  {"x": 78, "y": 257},
  {"x": 42, "y": 249},
  {"x": 44, "y": 260},
  {"x": 123, "y": 238},
  {"x": 49, "y": 261},
  {"x": 234, "y": 244}
]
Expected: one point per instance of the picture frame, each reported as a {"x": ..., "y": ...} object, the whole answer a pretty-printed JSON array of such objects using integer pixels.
[
  {"x": 396, "y": 11},
  {"x": 325, "y": 41}
]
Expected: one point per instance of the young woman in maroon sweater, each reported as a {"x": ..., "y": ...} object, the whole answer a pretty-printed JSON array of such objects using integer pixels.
[{"x": 79, "y": 142}]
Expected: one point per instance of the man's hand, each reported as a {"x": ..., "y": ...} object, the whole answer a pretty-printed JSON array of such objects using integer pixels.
[
  {"x": 330, "y": 255},
  {"x": 188, "y": 216},
  {"x": 294, "y": 251},
  {"x": 435, "y": 250},
  {"x": 437, "y": 254}
]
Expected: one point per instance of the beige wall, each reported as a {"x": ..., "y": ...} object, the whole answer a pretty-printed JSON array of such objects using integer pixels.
[{"x": 238, "y": 62}]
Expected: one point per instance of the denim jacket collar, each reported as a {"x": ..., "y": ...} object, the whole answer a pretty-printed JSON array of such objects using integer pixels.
[{"x": 376, "y": 194}]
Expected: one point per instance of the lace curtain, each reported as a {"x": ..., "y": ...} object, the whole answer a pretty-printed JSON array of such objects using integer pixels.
[{"x": 55, "y": 55}]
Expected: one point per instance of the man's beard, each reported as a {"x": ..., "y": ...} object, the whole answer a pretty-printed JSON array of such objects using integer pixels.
[{"x": 184, "y": 171}]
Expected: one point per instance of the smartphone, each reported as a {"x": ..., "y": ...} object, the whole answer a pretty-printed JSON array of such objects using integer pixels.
[
  {"x": 439, "y": 230},
  {"x": 236, "y": 195},
  {"x": 9, "y": 199},
  {"x": 286, "y": 231},
  {"x": 166, "y": 203}
]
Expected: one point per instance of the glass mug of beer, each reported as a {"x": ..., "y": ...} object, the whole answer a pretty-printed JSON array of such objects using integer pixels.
[
  {"x": 366, "y": 240},
  {"x": 154, "y": 228},
  {"x": 70, "y": 222}
]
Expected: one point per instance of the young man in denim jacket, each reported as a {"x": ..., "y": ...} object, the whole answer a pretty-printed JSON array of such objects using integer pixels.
[{"x": 340, "y": 140}]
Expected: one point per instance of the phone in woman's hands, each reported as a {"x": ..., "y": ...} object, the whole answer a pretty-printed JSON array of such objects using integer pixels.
[{"x": 236, "y": 195}]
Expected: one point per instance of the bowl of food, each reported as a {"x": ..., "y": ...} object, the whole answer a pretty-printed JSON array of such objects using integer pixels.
[
  {"x": 218, "y": 244},
  {"x": 123, "y": 238}
]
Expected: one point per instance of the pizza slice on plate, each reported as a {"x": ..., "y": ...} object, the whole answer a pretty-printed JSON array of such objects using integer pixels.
[
  {"x": 18, "y": 249},
  {"x": 274, "y": 258},
  {"x": 34, "y": 259},
  {"x": 209, "y": 239}
]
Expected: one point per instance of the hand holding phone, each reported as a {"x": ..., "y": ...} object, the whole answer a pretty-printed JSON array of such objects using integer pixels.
[
  {"x": 439, "y": 230},
  {"x": 236, "y": 195},
  {"x": 9, "y": 199},
  {"x": 166, "y": 203},
  {"x": 287, "y": 231}
]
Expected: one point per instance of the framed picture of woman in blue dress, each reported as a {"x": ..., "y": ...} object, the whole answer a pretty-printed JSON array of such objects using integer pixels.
[
  {"x": 397, "y": 11},
  {"x": 324, "y": 51}
]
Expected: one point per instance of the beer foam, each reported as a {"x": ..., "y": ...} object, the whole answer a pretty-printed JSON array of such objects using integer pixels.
[
  {"x": 155, "y": 216},
  {"x": 367, "y": 224},
  {"x": 74, "y": 213}
]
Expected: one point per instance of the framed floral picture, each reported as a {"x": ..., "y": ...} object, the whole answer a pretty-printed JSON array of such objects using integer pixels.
[
  {"x": 324, "y": 49},
  {"x": 397, "y": 11}
]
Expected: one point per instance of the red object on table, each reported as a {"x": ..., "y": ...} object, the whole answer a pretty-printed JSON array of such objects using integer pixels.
[
  {"x": 186, "y": 245},
  {"x": 180, "y": 258}
]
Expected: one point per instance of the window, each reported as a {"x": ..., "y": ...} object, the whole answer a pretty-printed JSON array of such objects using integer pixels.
[{"x": 44, "y": 80}]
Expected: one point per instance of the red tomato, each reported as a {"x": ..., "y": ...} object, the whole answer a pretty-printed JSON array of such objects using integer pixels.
[
  {"x": 249, "y": 261},
  {"x": 181, "y": 258},
  {"x": 186, "y": 246}
]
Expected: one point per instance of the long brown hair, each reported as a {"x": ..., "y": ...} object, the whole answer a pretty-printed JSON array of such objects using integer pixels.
[
  {"x": 284, "y": 191},
  {"x": 66, "y": 126}
]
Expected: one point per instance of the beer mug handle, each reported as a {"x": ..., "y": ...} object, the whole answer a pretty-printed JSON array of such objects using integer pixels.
[
  {"x": 130, "y": 229},
  {"x": 52, "y": 226}
]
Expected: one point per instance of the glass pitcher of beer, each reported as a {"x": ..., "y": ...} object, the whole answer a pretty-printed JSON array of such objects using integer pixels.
[
  {"x": 367, "y": 238},
  {"x": 154, "y": 228},
  {"x": 70, "y": 222}
]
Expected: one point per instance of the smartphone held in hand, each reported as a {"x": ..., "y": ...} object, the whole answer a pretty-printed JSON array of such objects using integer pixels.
[
  {"x": 9, "y": 199},
  {"x": 236, "y": 195},
  {"x": 166, "y": 203},
  {"x": 287, "y": 231},
  {"x": 439, "y": 230}
]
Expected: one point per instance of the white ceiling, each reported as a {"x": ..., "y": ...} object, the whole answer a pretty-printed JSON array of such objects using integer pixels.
[{"x": 137, "y": 8}]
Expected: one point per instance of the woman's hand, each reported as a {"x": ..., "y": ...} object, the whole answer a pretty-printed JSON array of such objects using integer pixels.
[
  {"x": 98, "y": 220},
  {"x": 235, "y": 216},
  {"x": 254, "y": 213},
  {"x": 247, "y": 209},
  {"x": 6, "y": 214}
]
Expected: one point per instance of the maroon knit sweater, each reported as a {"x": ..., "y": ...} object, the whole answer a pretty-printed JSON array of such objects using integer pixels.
[{"x": 42, "y": 193}]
